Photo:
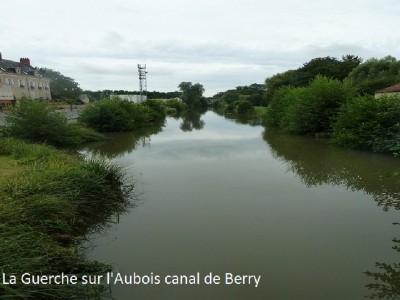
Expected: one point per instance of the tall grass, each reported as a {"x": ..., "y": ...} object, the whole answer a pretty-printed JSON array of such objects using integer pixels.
[{"x": 46, "y": 211}]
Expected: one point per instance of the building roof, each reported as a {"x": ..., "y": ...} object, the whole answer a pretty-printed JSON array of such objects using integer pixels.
[
  {"x": 390, "y": 89},
  {"x": 26, "y": 69}
]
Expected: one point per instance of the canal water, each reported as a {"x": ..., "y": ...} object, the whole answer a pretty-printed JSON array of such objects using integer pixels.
[{"x": 225, "y": 196}]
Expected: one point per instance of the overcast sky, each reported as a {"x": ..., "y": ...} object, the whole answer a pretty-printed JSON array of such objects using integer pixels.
[{"x": 218, "y": 43}]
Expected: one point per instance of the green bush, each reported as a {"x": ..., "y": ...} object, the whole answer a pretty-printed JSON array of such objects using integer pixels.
[
  {"x": 308, "y": 110},
  {"x": 121, "y": 115},
  {"x": 291, "y": 121},
  {"x": 157, "y": 110},
  {"x": 175, "y": 104},
  {"x": 107, "y": 115},
  {"x": 278, "y": 105},
  {"x": 369, "y": 123},
  {"x": 318, "y": 107},
  {"x": 244, "y": 107},
  {"x": 31, "y": 120}
]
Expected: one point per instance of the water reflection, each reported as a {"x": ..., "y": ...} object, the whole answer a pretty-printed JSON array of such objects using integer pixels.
[
  {"x": 387, "y": 279},
  {"x": 191, "y": 120},
  {"x": 245, "y": 119},
  {"x": 119, "y": 143},
  {"x": 217, "y": 220},
  {"x": 317, "y": 163}
]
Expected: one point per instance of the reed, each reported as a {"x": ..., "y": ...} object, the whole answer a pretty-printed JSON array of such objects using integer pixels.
[{"x": 47, "y": 208}]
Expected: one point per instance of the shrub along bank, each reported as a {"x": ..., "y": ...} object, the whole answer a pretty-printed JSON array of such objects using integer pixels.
[
  {"x": 331, "y": 108},
  {"x": 121, "y": 115},
  {"x": 48, "y": 205},
  {"x": 370, "y": 124},
  {"x": 33, "y": 121}
]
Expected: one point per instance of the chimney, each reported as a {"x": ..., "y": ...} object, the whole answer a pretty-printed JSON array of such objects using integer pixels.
[{"x": 25, "y": 61}]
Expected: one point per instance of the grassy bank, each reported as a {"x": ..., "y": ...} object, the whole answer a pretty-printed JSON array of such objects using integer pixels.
[
  {"x": 50, "y": 200},
  {"x": 9, "y": 167}
]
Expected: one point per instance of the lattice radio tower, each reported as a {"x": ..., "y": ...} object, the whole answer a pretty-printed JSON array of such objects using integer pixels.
[{"x": 142, "y": 81}]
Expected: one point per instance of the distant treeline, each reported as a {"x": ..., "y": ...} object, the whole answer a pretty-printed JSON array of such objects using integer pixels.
[
  {"x": 366, "y": 77},
  {"x": 341, "y": 108},
  {"x": 241, "y": 99},
  {"x": 97, "y": 95},
  {"x": 328, "y": 97}
]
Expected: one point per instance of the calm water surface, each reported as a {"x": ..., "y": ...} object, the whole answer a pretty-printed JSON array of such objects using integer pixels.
[{"x": 218, "y": 196}]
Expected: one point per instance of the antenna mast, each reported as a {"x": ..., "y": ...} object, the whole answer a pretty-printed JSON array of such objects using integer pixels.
[{"x": 142, "y": 82}]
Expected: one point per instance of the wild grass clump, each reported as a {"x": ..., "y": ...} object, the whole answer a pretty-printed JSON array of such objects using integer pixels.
[
  {"x": 46, "y": 211},
  {"x": 33, "y": 121},
  {"x": 115, "y": 114}
]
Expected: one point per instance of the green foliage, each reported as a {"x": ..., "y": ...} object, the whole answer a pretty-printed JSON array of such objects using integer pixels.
[
  {"x": 278, "y": 81},
  {"x": 253, "y": 93},
  {"x": 368, "y": 123},
  {"x": 62, "y": 87},
  {"x": 107, "y": 115},
  {"x": 47, "y": 209},
  {"x": 163, "y": 95},
  {"x": 295, "y": 101},
  {"x": 192, "y": 94},
  {"x": 375, "y": 74},
  {"x": 281, "y": 100},
  {"x": 326, "y": 66},
  {"x": 244, "y": 107},
  {"x": 230, "y": 96},
  {"x": 308, "y": 110},
  {"x": 175, "y": 105},
  {"x": 157, "y": 110},
  {"x": 121, "y": 115},
  {"x": 31, "y": 120}
]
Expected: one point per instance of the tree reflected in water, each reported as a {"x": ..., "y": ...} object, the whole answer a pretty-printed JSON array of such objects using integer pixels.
[
  {"x": 317, "y": 163},
  {"x": 387, "y": 285},
  {"x": 191, "y": 120},
  {"x": 246, "y": 119},
  {"x": 119, "y": 143},
  {"x": 377, "y": 175}
]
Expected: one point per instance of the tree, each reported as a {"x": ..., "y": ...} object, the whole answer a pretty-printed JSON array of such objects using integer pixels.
[
  {"x": 244, "y": 107},
  {"x": 311, "y": 109},
  {"x": 375, "y": 74},
  {"x": 62, "y": 87},
  {"x": 192, "y": 94},
  {"x": 329, "y": 67}
]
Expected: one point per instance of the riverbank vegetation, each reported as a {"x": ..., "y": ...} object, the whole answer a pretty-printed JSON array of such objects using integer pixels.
[
  {"x": 192, "y": 95},
  {"x": 34, "y": 121},
  {"x": 115, "y": 114},
  {"x": 329, "y": 67},
  {"x": 340, "y": 109},
  {"x": 51, "y": 201},
  {"x": 242, "y": 99}
]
